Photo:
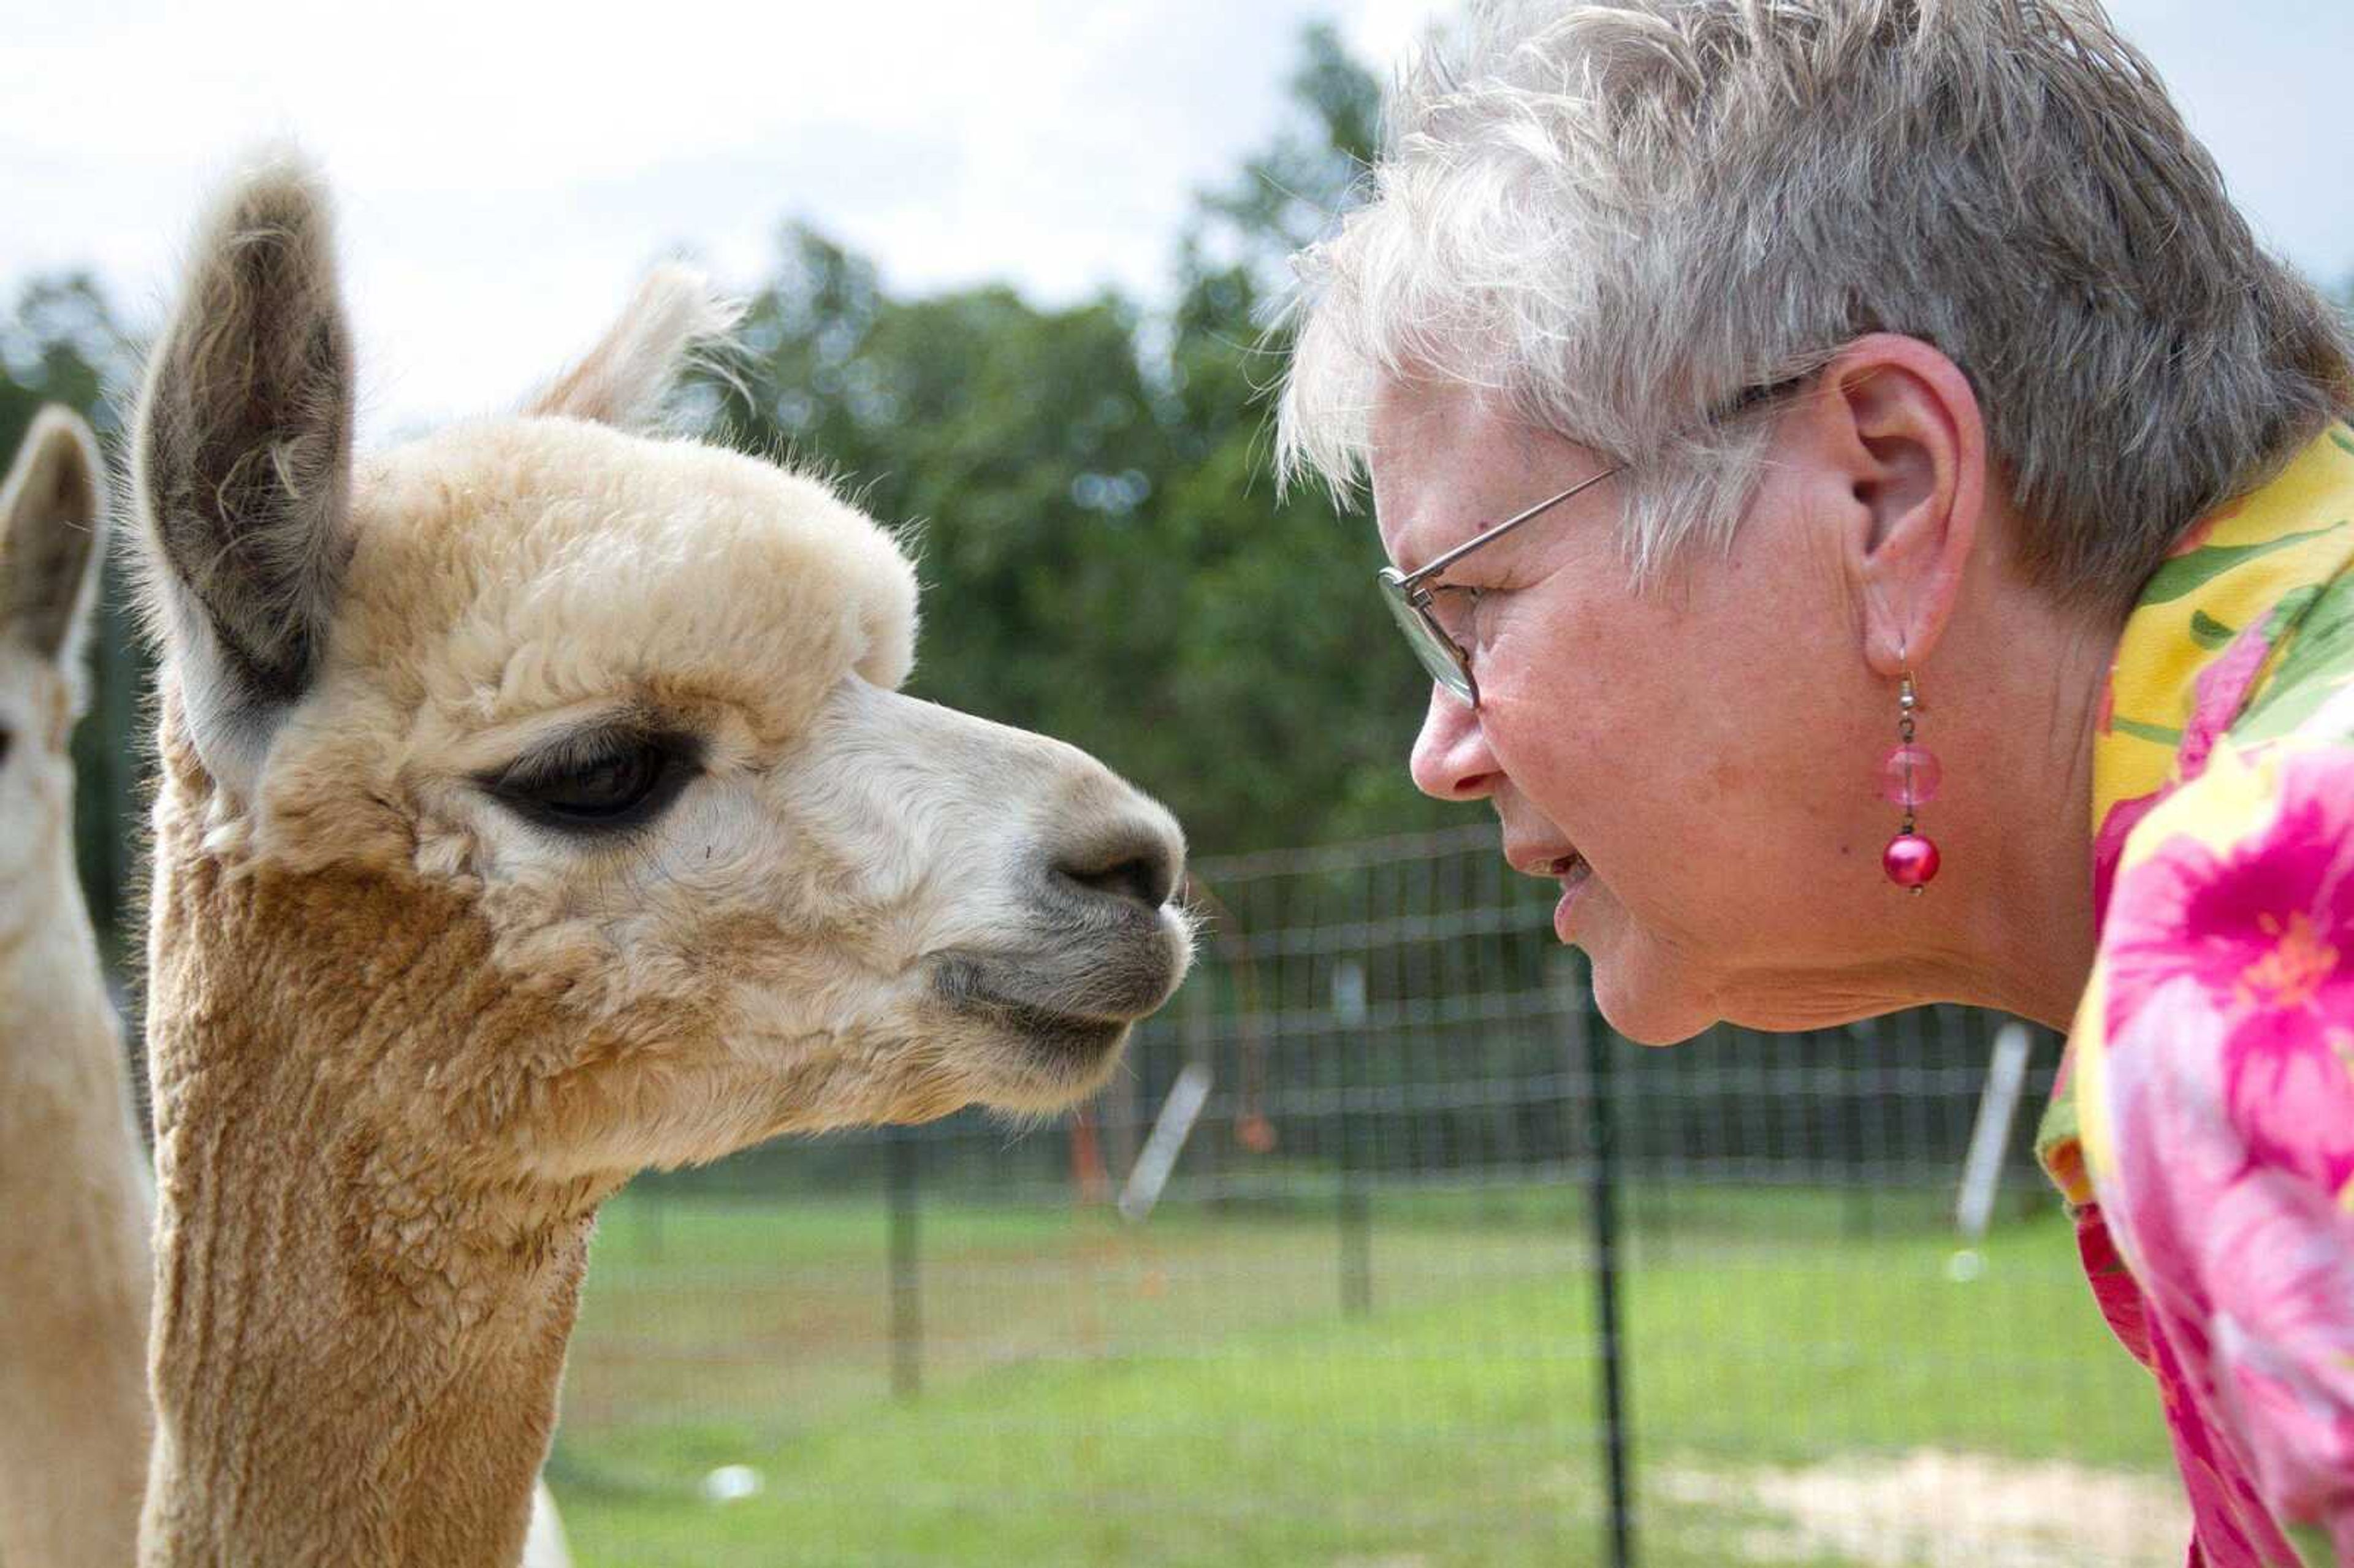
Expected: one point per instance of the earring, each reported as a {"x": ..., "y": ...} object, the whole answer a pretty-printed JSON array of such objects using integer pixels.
[{"x": 1909, "y": 777}]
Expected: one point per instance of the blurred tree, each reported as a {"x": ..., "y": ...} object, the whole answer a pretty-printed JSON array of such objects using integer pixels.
[
  {"x": 1103, "y": 552},
  {"x": 61, "y": 344},
  {"x": 1291, "y": 654},
  {"x": 1019, "y": 442}
]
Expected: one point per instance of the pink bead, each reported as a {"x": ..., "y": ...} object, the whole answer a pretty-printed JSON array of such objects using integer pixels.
[
  {"x": 1910, "y": 860},
  {"x": 1910, "y": 776}
]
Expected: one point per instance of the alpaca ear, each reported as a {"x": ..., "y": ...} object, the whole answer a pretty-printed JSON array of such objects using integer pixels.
[
  {"x": 624, "y": 380},
  {"x": 243, "y": 456},
  {"x": 52, "y": 516}
]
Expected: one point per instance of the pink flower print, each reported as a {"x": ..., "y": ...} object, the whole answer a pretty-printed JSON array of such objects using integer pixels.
[
  {"x": 2109, "y": 845},
  {"x": 2266, "y": 929},
  {"x": 2186, "y": 1208},
  {"x": 2114, "y": 1289},
  {"x": 2285, "y": 1255},
  {"x": 2222, "y": 691},
  {"x": 2219, "y": 695},
  {"x": 2291, "y": 1093}
]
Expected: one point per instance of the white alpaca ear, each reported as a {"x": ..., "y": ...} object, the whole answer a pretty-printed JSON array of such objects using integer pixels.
[
  {"x": 624, "y": 380},
  {"x": 242, "y": 460},
  {"x": 52, "y": 517}
]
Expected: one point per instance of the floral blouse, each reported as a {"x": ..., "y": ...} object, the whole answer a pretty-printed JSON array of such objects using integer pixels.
[{"x": 2203, "y": 1126}]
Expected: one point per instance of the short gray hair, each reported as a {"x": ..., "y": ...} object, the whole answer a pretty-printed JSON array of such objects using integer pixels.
[{"x": 1616, "y": 217}]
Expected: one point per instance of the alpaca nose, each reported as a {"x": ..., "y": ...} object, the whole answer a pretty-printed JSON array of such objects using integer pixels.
[{"x": 1139, "y": 857}]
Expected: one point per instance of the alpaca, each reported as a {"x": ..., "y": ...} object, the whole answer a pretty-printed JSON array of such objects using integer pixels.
[
  {"x": 76, "y": 1273},
  {"x": 537, "y": 805},
  {"x": 74, "y": 1279}
]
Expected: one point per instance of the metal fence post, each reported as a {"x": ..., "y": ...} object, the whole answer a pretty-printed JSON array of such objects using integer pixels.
[
  {"x": 1860, "y": 1178},
  {"x": 652, "y": 1200},
  {"x": 907, "y": 1300},
  {"x": 1602, "y": 1176},
  {"x": 1356, "y": 1246},
  {"x": 1356, "y": 1205}
]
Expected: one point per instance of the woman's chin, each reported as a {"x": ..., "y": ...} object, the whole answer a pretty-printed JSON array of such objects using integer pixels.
[
  {"x": 1643, "y": 1005},
  {"x": 1651, "y": 998},
  {"x": 1642, "y": 987},
  {"x": 1653, "y": 1026}
]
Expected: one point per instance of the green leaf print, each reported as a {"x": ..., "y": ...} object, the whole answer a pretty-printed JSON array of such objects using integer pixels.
[
  {"x": 2312, "y": 1543},
  {"x": 2185, "y": 574},
  {"x": 2319, "y": 621},
  {"x": 2209, "y": 632},
  {"x": 2140, "y": 731}
]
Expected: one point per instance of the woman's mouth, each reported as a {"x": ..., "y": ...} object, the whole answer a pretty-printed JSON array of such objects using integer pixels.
[{"x": 1574, "y": 873}]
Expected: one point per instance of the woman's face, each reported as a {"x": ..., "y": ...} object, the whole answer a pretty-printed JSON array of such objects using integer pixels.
[{"x": 1707, "y": 749}]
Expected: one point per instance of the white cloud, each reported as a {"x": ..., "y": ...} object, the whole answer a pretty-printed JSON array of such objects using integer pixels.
[
  {"x": 507, "y": 170},
  {"x": 504, "y": 171}
]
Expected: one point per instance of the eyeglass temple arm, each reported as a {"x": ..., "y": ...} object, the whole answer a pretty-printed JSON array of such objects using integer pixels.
[{"x": 1413, "y": 578}]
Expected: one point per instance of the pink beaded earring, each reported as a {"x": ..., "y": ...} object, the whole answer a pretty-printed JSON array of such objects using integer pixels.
[{"x": 1909, "y": 777}]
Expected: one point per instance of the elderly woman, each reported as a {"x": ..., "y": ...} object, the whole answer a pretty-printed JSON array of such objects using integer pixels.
[{"x": 1881, "y": 531}]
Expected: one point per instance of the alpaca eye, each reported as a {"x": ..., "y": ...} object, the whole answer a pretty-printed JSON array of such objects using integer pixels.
[
  {"x": 7, "y": 738},
  {"x": 604, "y": 787},
  {"x": 614, "y": 782}
]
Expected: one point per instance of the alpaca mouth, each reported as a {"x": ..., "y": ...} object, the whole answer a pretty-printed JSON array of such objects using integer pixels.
[
  {"x": 1064, "y": 1035},
  {"x": 1083, "y": 1016},
  {"x": 1114, "y": 983}
]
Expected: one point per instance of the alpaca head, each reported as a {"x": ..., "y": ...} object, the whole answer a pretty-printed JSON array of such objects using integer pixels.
[
  {"x": 629, "y": 706},
  {"x": 51, "y": 510}
]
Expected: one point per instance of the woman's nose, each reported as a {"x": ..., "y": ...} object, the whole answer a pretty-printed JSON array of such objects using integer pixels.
[{"x": 1451, "y": 760}]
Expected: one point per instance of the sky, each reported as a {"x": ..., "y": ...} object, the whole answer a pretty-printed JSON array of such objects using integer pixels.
[{"x": 506, "y": 172}]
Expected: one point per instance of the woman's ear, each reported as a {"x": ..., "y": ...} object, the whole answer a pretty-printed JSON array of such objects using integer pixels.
[{"x": 1900, "y": 426}]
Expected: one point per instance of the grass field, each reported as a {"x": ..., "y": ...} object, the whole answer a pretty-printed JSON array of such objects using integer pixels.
[{"x": 1190, "y": 1393}]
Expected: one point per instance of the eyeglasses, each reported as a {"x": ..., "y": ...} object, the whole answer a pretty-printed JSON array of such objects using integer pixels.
[{"x": 1410, "y": 595}]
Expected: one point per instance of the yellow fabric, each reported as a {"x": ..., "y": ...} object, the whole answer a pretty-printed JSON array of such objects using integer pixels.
[
  {"x": 2160, "y": 657},
  {"x": 2293, "y": 535},
  {"x": 2202, "y": 1127}
]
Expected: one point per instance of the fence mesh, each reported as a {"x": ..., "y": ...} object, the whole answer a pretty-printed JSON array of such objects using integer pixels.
[{"x": 1360, "y": 1322}]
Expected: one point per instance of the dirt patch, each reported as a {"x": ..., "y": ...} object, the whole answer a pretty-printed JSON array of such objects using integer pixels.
[{"x": 1934, "y": 1509}]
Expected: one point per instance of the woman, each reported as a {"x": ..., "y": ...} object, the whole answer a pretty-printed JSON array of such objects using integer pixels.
[{"x": 1882, "y": 533}]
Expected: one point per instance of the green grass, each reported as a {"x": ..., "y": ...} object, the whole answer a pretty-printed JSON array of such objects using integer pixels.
[{"x": 1190, "y": 1393}]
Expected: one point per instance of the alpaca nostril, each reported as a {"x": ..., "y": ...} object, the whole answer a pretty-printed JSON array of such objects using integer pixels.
[
  {"x": 1141, "y": 863},
  {"x": 1138, "y": 879}
]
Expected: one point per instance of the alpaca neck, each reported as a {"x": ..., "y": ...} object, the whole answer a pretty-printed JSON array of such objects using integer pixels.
[
  {"x": 74, "y": 1270},
  {"x": 360, "y": 1322},
  {"x": 323, "y": 1398}
]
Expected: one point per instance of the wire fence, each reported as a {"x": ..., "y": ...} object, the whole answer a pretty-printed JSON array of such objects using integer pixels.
[{"x": 1382, "y": 1252}]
